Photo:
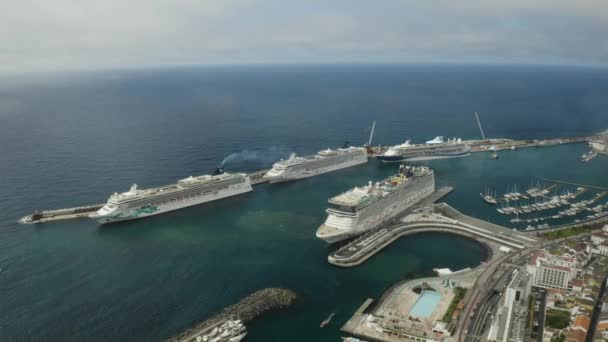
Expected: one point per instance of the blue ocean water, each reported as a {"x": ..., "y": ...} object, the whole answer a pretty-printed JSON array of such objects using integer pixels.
[{"x": 72, "y": 139}]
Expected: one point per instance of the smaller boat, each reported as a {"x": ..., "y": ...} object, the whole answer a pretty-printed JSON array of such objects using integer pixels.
[
  {"x": 327, "y": 320},
  {"x": 488, "y": 198},
  {"x": 494, "y": 156}
]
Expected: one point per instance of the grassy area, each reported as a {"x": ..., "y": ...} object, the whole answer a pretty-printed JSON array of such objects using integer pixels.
[
  {"x": 557, "y": 251},
  {"x": 459, "y": 293},
  {"x": 572, "y": 244},
  {"x": 557, "y": 319},
  {"x": 565, "y": 233}
]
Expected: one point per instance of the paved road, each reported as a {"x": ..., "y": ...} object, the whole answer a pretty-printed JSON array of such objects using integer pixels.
[{"x": 488, "y": 304}]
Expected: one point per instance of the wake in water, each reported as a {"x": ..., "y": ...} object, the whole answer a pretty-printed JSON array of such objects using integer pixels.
[{"x": 259, "y": 158}]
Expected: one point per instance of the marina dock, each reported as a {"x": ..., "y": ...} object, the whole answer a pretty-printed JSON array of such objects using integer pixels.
[{"x": 575, "y": 184}]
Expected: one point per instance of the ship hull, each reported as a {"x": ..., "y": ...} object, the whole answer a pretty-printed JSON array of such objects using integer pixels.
[
  {"x": 152, "y": 210},
  {"x": 339, "y": 227},
  {"x": 292, "y": 176},
  {"x": 400, "y": 158}
]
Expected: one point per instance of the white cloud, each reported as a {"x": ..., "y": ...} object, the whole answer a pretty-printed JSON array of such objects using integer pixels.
[{"x": 62, "y": 34}]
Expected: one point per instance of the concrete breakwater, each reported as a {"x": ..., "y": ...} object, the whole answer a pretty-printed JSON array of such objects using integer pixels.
[
  {"x": 246, "y": 310},
  {"x": 60, "y": 214}
]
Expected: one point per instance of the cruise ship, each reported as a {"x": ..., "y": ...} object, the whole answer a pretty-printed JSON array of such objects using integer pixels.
[
  {"x": 364, "y": 208},
  {"x": 137, "y": 203},
  {"x": 433, "y": 149},
  {"x": 325, "y": 161}
]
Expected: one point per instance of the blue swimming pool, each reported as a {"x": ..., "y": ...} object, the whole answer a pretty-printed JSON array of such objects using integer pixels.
[{"x": 425, "y": 304}]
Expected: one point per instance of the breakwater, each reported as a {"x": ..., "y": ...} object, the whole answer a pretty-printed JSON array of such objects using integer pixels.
[
  {"x": 60, "y": 214},
  {"x": 246, "y": 310}
]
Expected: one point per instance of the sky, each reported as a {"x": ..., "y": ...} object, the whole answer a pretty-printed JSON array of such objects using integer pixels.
[{"x": 96, "y": 34}]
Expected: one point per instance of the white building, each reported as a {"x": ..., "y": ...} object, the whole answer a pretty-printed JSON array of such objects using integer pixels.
[
  {"x": 601, "y": 249},
  {"x": 511, "y": 315},
  {"x": 551, "y": 271},
  {"x": 599, "y": 236}
]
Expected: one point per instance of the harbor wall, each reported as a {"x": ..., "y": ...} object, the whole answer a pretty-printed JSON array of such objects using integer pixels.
[{"x": 246, "y": 310}]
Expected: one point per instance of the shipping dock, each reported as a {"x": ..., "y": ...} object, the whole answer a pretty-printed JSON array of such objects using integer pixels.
[
  {"x": 41, "y": 216},
  {"x": 597, "y": 143},
  {"x": 493, "y": 145},
  {"x": 483, "y": 145}
]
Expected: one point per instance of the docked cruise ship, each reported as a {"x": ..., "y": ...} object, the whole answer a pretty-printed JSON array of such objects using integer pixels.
[
  {"x": 364, "y": 208},
  {"x": 137, "y": 203},
  {"x": 325, "y": 161},
  {"x": 433, "y": 149}
]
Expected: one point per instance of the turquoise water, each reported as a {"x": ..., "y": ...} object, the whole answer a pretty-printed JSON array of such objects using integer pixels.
[
  {"x": 425, "y": 304},
  {"x": 68, "y": 140}
]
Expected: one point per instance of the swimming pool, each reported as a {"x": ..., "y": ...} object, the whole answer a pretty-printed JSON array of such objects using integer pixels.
[{"x": 425, "y": 304}]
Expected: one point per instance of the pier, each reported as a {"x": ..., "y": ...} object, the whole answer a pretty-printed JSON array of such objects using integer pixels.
[
  {"x": 256, "y": 177},
  {"x": 60, "y": 214},
  {"x": 434, "y": 218},
  {"x": 246, "y": 310},
  {"x": 575, "y": 184},
  {"x": 486, "y": 145}
]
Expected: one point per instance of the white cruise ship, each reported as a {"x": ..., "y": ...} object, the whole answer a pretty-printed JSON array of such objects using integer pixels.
[
  {"x": 322, "y": 162},
  {"x": 433, "y": 149},
  {"x": 361, "y": 209},
  {"x": 190, "y": 191}
]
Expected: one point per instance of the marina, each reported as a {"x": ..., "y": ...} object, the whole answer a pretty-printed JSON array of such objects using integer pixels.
[{"x": 553, "y": 200}]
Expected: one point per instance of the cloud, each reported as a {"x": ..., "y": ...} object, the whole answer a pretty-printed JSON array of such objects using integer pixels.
[{"x": 67, "y": 34}]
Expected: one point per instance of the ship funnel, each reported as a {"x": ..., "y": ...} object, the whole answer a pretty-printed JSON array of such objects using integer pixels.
[
  {"x": 218, "y": 171},
  {"x": 133, "y": 189}
]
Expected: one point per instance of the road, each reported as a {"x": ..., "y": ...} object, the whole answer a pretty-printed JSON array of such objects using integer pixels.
[
  {"x": 540, "y": 301},
  {"x": 488, "y": 304}
]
